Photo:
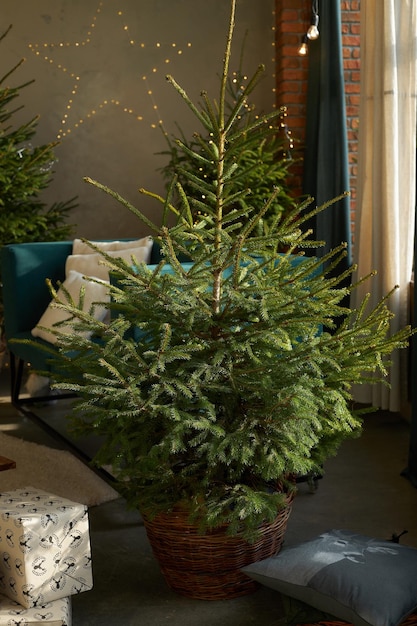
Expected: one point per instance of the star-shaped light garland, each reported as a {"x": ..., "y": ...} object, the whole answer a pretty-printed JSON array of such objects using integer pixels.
[{"x": 45, "y": 51}]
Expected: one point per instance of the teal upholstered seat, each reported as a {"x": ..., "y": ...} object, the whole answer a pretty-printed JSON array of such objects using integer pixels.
[{"x": 24, "y": 269}]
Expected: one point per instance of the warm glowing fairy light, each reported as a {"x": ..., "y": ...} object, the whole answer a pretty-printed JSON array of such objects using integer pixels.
[
  {"x": 113, "y": 102},
  {"x": 273, "y": 59},
  {"x": 46, "y": 49},
  {"x": 43, "y": 51}
]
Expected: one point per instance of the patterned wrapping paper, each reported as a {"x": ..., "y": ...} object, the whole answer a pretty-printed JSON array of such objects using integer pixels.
[
  {"x": 57, "y": 613},
  {"x": 44, "y": 547}
]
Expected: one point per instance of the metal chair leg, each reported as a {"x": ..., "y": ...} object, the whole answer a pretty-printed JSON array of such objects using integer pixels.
[{"x": 16, "y": 375}]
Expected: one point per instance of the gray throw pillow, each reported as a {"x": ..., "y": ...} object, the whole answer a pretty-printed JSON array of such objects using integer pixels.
[{"x": 355, "y": 578}]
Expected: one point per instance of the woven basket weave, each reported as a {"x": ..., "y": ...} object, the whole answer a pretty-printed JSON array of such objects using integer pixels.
[{"x": 207, "y": 566}]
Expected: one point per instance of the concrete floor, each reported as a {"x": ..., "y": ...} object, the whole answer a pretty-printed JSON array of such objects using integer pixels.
[{"x": 362, "y": 490}]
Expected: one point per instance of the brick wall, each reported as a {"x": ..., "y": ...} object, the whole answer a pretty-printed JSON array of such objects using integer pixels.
[
  {"x": 351, "y": 59},
  {"x": 292, "y": 21},
  {"x": 291, "y": 71}
]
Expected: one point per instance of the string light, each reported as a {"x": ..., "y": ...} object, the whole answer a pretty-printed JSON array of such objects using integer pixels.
[
  {"x": 287, "y": 154},
  {"x": 48, "y": 53},
  {"x": 273, "y": 60},
  {"x": 45, "y": 52},
  {"x": 313, "y": 31},
  {"x": 303, "y": 49}
]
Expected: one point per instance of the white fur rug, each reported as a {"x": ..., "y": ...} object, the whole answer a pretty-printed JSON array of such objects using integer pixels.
[{"x": 56, "y": 471}]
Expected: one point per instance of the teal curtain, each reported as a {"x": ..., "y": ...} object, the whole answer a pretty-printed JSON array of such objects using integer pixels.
[
  {"x": 326, "y": 173},
  {"x": 411, "y": 470}
]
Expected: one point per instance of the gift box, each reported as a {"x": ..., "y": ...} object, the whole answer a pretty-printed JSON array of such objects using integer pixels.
[
  {"x": 56, "y": 613},
  {"x": 45, "y": 549}
]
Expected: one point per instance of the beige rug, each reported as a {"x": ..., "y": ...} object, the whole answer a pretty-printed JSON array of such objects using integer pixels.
[{"x": 56, "y": 471}]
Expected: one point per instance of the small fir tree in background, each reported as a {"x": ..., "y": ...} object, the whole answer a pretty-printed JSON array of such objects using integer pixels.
[
  {"x": 262, "y": 156},
  {"x": 25, "y": 170}
]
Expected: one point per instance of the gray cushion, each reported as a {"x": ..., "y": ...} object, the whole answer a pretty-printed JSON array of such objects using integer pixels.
[{"x": 353, "y": 577}]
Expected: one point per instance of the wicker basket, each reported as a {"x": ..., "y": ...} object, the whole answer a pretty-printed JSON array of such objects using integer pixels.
[{"x": 207, "y": 566}]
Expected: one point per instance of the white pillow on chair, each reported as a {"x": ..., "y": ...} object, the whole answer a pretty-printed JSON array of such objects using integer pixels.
[
  {"x": 81, "y": 247},
  {"x": 95, "y": 264},
  {"x": 94, "y": 292}
]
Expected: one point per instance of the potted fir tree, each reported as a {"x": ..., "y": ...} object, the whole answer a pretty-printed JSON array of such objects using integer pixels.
[{"x": 226, "y": 370}]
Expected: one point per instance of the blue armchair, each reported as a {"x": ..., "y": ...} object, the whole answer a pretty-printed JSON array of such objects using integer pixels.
[{"x": 24, "y": 270}]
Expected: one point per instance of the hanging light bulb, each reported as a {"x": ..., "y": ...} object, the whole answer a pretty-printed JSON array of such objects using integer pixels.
[
  {"x": 303, "y": 49},
  {"x": 313, "y": 31}
]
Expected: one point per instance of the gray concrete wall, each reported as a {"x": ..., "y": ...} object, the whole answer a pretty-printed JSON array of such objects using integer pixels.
[{"x": 100, "y": 88}]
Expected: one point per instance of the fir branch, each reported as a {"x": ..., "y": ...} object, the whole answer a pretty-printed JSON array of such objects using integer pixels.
[
  {"x": 126, "y": 203},
  {"x": 200, "y": 115}
]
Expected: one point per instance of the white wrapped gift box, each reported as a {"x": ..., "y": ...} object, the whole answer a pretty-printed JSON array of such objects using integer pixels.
[
  {"x": 57, "y": 613},
  {"x": 44, "y": 547}
]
